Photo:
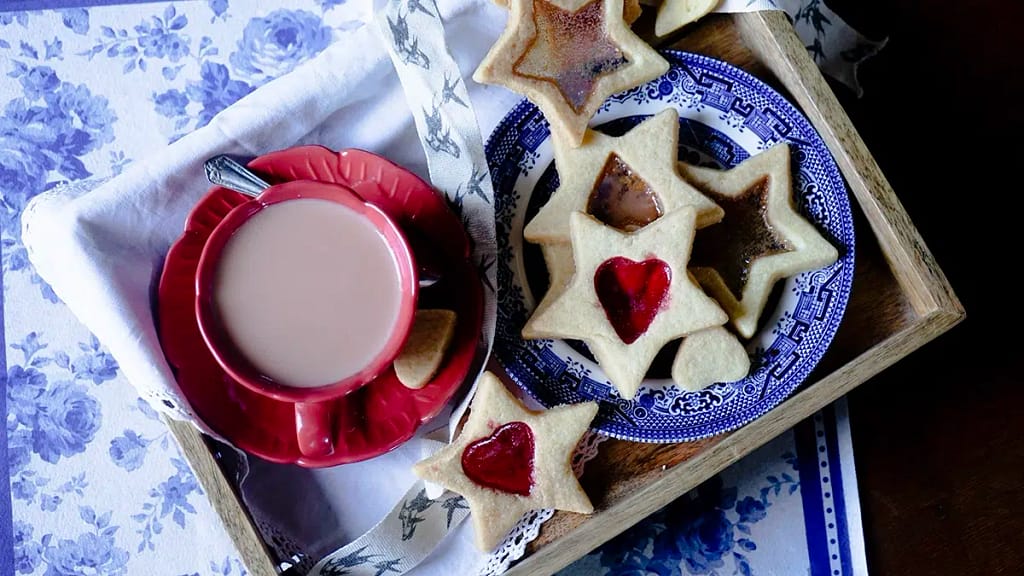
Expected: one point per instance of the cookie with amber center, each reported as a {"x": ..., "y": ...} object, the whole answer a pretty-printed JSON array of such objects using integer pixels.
[
  {"x": 629, "y": 296},
  {"x": 626, "y": 181},
  {"x": 509, "y": 460},
  {"x": 568, "y": 57},
  {"x": 761, "y": 239}
]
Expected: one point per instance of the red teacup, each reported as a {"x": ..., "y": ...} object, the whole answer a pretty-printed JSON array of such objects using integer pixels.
[{"x": 256, "y": 346}]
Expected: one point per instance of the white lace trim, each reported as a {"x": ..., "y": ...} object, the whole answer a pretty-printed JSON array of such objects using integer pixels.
[
  {"x": 514, "y": 546},
  {"x": 285, "y": 549},
  {"x": 586, "y": 450}
]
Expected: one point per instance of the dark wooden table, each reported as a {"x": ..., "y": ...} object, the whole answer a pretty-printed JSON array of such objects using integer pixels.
[{"x": 939, "y": 438}]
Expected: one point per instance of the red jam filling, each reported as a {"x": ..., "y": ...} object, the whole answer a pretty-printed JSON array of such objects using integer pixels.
[
  {"x": 632, "y": 293},
  {"x": 502, "y": 461}
]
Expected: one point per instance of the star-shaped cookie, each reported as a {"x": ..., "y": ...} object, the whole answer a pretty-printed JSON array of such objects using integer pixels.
[
  {"x": 567, "y": 57},
  {"x": 761, "y": 239},
  {"x": 674, "y": 14},
  {"x": 508, "y": 460},
  {"x": 644, "y": 157},
  {"x": 704, "y": 357},
  {"x": 631, "y": 294}
]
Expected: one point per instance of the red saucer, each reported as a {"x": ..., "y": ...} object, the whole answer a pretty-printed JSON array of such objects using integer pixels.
[{"x": 379, "y": 416}]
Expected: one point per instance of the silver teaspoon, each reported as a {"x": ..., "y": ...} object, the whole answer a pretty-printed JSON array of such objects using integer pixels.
[{"x": 224, "y": 171}]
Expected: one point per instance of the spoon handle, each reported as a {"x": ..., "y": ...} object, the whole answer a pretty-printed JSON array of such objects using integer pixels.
[{"x": 223, "y": 171}]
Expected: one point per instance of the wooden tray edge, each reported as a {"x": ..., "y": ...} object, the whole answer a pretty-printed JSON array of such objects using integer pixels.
[
  {"x": 676, "y": 481},
  {"x": 771, "y": 34},
  {"x": 773, "y": 38},
  {"x": 225, "y": 501}
]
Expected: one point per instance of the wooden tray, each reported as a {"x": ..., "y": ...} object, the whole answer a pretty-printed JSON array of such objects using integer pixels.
[{"x": 900, "y": 301}]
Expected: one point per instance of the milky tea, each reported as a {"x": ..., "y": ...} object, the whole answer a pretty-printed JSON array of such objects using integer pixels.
[{"x": 308, "y": 291}]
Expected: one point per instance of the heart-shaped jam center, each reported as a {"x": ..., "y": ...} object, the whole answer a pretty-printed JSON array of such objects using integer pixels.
[
  {"x": 632, "y": 293},
  {"x": 502, "y": 461}
]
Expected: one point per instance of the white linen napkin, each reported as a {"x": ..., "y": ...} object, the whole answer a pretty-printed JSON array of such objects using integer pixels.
[{"x": 102, "y": 251}]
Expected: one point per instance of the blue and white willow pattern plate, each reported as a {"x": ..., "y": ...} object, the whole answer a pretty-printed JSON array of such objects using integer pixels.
[{"x": 726, "y": 115}]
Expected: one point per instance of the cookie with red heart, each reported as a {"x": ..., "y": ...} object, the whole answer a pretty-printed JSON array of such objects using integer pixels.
[
  {"x": 509, "y": 460},
  {"x": 705, "y": 357},
  {"x": 629, "y": 296}
]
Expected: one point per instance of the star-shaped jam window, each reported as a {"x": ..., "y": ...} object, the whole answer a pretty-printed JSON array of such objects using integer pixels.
[
  {"x": 568, "y": 57},
  {"x": 761, "y": 239},
  {"x": 509, "y": 460},
  {"x": 626, "y": 181},
  {"x": 631, "y": 294},
  {"x": 743, "y": 236}
]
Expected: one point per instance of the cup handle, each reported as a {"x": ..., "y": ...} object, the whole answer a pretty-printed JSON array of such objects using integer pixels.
[{"x": 313, "y": 428}]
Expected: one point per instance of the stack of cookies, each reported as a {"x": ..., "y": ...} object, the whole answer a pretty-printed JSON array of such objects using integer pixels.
[{"x": 642, "y": 251}]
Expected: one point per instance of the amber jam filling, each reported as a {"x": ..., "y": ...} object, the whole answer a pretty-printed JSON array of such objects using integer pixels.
[
  {"x": 622, "y": 199},
  {"x": 502, "y": 461},
  {"x": 632, "y": 293},
  {"x": 744, "y": 235},
  {"x": 571, "y": 50}
]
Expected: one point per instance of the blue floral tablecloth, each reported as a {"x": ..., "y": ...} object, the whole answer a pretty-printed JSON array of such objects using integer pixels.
[{"x": 95, "y": 484}]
